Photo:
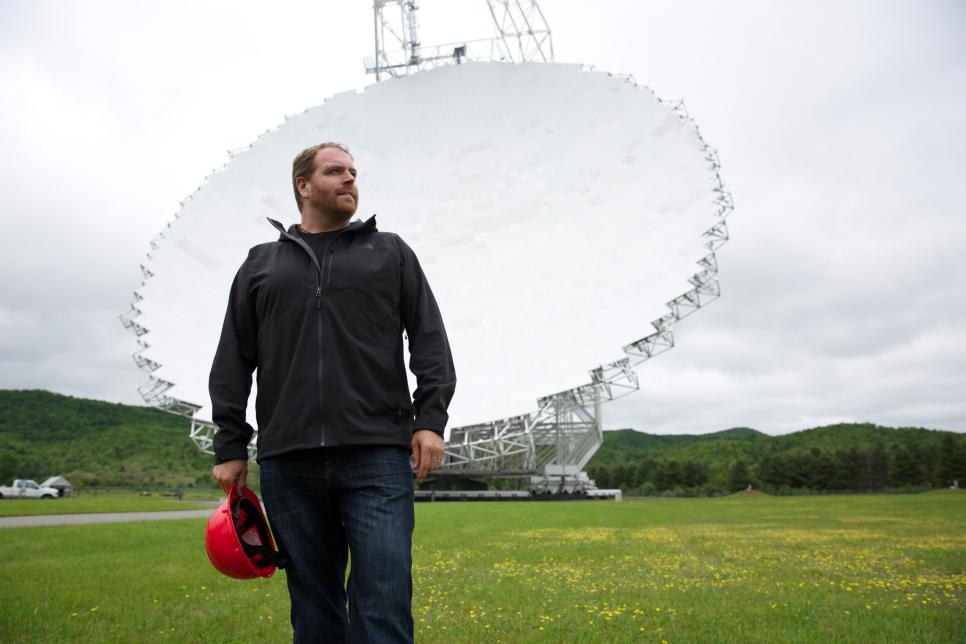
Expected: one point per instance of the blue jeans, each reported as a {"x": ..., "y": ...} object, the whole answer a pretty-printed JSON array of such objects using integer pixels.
[{"x": 326, "y": 502}]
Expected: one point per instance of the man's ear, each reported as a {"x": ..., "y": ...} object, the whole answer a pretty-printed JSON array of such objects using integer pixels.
[{"x": 300, "y": 186}]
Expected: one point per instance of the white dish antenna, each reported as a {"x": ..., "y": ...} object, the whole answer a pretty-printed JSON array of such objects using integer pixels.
[{"x": 565, "y": 219}]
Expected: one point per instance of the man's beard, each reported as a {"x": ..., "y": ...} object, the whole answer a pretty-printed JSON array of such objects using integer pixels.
[{"x": 337, "y": 209}]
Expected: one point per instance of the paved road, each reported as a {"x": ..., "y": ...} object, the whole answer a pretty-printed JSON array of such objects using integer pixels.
[{"x": 112, "y": 517}]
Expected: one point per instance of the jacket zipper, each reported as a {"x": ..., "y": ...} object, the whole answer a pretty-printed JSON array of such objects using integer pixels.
[
  {"x": 318, "y": 319},
  {"x": 327, "y": 253},
  {"x": 319, "y": 278},
  {"x": 318, "y": 334}
]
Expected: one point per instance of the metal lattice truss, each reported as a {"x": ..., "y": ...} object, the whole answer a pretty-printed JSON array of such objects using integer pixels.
[
  {"x": 396, "y": 26},
  {"x": 523, "y": 35},
  {"x": 154, "y": 391},
  {"x": 557, "y": 440}
]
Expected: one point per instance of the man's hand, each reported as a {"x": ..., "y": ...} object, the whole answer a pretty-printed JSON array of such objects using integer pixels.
[
  {"x": 231, "y": 473},
  {"x": 427, "y": 452}
]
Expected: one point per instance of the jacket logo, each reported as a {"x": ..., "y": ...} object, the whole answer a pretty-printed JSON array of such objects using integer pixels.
[{"x": 367, "y": 245}]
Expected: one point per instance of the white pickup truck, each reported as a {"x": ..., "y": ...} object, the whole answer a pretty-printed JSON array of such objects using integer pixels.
[{"x": 24, "y": 489}]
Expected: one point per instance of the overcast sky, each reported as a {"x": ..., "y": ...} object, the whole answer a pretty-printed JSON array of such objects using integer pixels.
[{"x": 841, "y": 128}]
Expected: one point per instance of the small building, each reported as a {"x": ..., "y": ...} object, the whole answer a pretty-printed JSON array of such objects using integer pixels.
[{"x": 59, "y": 483}]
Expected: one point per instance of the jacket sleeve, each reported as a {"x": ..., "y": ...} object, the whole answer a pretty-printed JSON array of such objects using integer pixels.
[
  {"x": 430, "y": 358},
  {"x": 230, "y": 381}
]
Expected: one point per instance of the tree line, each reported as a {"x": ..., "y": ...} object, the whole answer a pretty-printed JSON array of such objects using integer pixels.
[
  {"x": 866, "y": 467},
  {"x": 94, "y": 443}
]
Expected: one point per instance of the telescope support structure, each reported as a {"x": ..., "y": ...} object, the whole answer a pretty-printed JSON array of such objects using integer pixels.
[
  {"x": 522, "y": 35},
  {"x": 556, "y": 442}
]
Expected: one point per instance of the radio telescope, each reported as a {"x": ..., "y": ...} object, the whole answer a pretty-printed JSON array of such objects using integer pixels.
[{"x": 566, "y": 219}]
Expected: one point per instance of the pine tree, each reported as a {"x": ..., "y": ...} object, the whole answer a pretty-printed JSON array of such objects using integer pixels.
[
  {"x": 879, "y": 466},
  {"x": 693, "y": 473},
  {"x": 905, "y": 468},
  {"x": 823, "y": 470},
  {"x": 738, "y": 476},
  {"x": 773, "y": 471},
  {"x": 952, "y": 462},
  {"x": 645, "y": 471}
]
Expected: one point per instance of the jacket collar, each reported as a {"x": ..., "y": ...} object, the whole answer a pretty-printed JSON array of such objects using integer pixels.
[{"x": 357, "y": 226}]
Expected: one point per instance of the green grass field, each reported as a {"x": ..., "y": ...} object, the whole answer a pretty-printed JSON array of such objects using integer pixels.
[
  {"x": 876, "y": 568},
  {"x": 103, "y": 502}
]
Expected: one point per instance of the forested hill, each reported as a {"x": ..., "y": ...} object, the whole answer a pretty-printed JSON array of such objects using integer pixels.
[
  {"x": 629, "y": 444},
  {"x": 852, "y": 456},
  {"x": 96, "y": 443}
]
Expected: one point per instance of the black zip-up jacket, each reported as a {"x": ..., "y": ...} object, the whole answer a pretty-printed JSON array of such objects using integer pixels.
[{"x": 326, "y": 336}]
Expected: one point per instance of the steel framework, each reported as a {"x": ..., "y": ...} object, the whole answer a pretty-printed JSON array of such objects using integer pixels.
[
  {"x": 523, "y": 35},
  {"x": 554, "y": 443}
]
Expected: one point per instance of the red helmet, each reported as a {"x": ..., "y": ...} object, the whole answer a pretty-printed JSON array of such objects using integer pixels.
[{"x": 238, "y": 541}]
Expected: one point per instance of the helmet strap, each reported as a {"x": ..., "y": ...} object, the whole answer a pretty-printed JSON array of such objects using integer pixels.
[{"x": 245, "y": 518}]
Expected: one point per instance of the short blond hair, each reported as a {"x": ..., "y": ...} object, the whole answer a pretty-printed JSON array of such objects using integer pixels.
[{"x": 304, "y": 164}]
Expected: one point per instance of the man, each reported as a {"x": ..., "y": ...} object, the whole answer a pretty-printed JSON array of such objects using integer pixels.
[{"x": 320, "y": 314}]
